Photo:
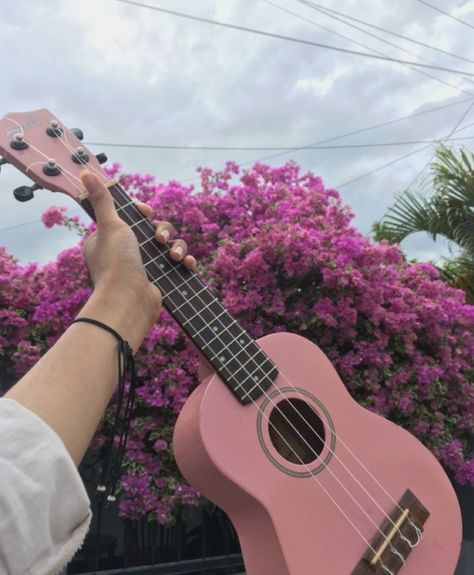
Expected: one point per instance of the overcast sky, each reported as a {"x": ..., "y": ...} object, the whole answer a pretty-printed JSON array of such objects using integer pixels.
[{"x": 126, "y": 74}]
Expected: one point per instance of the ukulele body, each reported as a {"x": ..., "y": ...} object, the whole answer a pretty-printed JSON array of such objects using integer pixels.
[{"x": 296, "y": 518}]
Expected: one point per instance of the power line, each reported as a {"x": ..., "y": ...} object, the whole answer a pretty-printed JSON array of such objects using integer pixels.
[
  {"x": 417, "y": 151},
  {"x": 454, "y": 129},
  {"x": 364, "y": 45},
  {"x": 353, "y": 133},
  {"x": 332, "y": 139},
  {"x": 366, "y": 175},
  {"x": 271, "y": 148},
  {"x": 445, "y": 13},
  {"x": 20, "y": 225},
  {"x": 365, "y": 23},
  {"x": 343, "y": 18},
  {"x": 291, "y": 39}
]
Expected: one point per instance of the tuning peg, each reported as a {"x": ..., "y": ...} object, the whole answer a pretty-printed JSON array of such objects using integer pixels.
[
  {"x": 102, "y": 158},
  {"x": 25, "y": 193},
  {"x": 78, "y": 133}
]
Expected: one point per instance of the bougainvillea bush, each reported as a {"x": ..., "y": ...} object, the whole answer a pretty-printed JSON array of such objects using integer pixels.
[{"x": 279, "y": 250}]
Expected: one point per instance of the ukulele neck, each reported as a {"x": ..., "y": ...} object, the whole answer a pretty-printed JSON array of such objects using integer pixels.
[{"x": 234, "y": 354}]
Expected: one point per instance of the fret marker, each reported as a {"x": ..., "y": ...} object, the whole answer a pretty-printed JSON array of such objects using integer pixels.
[
  {"x": 215, "y": 329},
  {"x": 241, "y": 341},
  {"x": 184, "y": 292},
  {"x": 161, "y": 266},
  {"x": 222, "y": 358}
]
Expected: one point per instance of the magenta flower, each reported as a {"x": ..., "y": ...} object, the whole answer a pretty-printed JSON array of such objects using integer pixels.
[
  {"x": 54, "y": 216},
  {"x": 280, "y": 251}
]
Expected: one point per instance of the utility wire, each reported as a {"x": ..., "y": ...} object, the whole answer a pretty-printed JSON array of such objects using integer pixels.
[
  {"x": 445, "y": 13},
  {"x": 368, "y": 24},
  {"x": 369, "y": 128},
  {"x": 291, "y": 39},
  {"x": 455, "y": 128},
  {"x": 424, "y": 73},
  {"x": 344, "y": 20},
  {"x": 272, "y": 148},
  {"x": 417, "y": 151},
  {"x": 332, "y": 139},
  {"x": 366, "y": 175},
  {"x": 330, "y": 13}
]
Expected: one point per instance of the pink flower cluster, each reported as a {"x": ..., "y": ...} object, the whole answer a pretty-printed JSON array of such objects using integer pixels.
[
  {"x": 54, "y": 216},
  {"x": 279, "y": 250}
]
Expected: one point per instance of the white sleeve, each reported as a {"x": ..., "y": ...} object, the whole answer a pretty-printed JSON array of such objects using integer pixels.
[{"x": 44, "y": 508}]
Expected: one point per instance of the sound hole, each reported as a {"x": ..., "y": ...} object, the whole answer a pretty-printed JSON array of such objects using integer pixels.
[{"x": 296, "y": 431}]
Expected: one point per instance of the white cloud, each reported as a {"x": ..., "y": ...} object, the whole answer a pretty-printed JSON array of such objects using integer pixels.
[{"x": 126, "y": 74}]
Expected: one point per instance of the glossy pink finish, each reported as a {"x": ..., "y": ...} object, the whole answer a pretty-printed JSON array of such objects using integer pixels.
[{"x": 288, "y": 525}]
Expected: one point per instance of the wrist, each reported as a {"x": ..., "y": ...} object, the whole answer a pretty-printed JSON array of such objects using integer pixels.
[{"x": 130, "y": 312}]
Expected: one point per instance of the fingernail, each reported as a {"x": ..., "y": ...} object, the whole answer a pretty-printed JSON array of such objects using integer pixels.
[
  {"x": 179, "y": 251},
  {"x": 165, "y": 234},
  {"x": 88, "y": 178},
  {"x": 83, "y": 173}
]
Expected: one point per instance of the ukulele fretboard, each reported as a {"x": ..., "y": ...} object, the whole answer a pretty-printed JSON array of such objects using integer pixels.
[{"x": 234, "y": 354}]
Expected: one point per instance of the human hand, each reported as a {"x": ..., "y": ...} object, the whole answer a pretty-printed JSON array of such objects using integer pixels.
[{"x": 113, "y": 256}]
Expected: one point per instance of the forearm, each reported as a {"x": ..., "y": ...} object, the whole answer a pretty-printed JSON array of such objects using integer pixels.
[{"x": 71, "y": 386}]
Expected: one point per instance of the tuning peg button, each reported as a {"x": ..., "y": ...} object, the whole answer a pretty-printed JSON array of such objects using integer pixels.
[
  {"x": 101, "y": 158},
  {"x": 80, "y": 156},
  {"x": 25, "y": 193},
  {"x": 18, "y": 142},
  {"x": 78, "y": 133},
  {"x": 51, "y": 168}
]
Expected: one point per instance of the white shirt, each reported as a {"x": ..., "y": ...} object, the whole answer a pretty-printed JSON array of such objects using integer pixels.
[{"x": 44, "y": 508}]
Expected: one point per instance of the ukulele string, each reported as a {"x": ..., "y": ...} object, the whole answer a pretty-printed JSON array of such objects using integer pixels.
[
  {"x": 350, "y": 451},
  {"x": 284, "y": 439},
  {"x": 69, "y": 147},
  {"x": 309, "y": 471},
  {"x": 66, "y": 143},
  {"x": 66, "y": 173}
]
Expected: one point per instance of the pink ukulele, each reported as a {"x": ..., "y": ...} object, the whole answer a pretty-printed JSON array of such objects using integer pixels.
[{"x": 314, "y": 483}]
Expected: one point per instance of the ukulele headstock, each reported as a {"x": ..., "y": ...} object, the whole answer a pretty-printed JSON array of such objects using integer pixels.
[{"x": 50, "y": 154}]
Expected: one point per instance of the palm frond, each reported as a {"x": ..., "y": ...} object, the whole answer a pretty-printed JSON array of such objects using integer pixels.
[
  {"x": 449, "y": 212},
  {"x": 460, "y": 273},
  {"x": 411, "y": 213},
  {"x": 453, "y": 175}
]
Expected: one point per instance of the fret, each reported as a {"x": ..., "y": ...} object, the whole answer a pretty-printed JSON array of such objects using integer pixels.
[
  {"x": 263, "y": 371},
  {"x": 240, "y": 347},
  {"x": 240, "y": 342},
  {"x": 147, "y": 241},
  {"x": 182, "y": 289},
  {"x": 159, "y": 258},
  {"x": 125, "y": 206},
  {"x": 202, "y": 328},
  {"x": 241, "y": 363},
  {"x": 199, "y": 315},
  {"x": 232, "y": 365},
  {"x": 137, "y": 223}
]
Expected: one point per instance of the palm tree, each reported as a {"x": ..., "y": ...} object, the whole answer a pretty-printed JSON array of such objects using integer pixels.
[{"x": 448, "y": 212}]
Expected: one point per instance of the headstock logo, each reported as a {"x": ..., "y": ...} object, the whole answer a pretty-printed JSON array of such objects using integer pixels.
[{"x": 32, "y": 122}]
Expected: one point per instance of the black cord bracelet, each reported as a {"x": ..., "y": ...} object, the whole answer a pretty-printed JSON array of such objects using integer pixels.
[
  {"x": 112, "y": 466},
  {"x": 98, "y": 323}
]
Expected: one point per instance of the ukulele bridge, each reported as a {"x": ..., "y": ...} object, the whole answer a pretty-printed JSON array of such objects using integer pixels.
[{"x": 396, "y": 538}]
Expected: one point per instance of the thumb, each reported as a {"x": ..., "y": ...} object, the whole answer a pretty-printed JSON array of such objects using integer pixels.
[{"x": 100, "y": 199}]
